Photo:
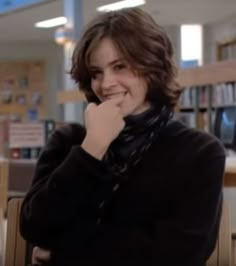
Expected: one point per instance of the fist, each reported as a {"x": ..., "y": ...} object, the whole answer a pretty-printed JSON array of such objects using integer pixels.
[{"x": 104, "y": 122}]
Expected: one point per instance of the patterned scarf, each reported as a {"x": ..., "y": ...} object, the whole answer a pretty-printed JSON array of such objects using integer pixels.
[{"x": 135, "y": 139}]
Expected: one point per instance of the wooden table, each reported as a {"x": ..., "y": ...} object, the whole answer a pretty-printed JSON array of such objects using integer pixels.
[{"x": 230, "y": 172}]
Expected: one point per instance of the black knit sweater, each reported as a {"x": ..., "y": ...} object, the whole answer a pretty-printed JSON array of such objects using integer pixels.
[{"x": 166, "y": 214}]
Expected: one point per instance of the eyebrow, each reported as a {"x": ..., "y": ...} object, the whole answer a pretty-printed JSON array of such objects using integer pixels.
[{"x": 91, "y": 67}]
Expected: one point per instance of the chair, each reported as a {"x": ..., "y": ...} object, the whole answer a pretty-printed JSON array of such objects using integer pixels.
[
  {"x": 3, "y": 185},
  {"x": 2, "y": 235},
  {"x": 15, "y": 254},
  {"x": 15, "y": 179},
  {"x": 222, "y": 255}
]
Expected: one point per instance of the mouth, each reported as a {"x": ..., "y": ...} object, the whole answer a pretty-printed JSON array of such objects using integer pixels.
[{"x": 118, "y": 95}]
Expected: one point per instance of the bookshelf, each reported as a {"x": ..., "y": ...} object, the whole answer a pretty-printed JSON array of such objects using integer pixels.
[
  {"x": 226, "y": 50},
  {"x": 23, "y": 91},
  {"x": 66, "y": 96},
  {"x": 206, "y": 88}
]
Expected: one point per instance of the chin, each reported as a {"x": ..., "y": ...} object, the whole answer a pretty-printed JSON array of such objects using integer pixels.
[{"x": 127, "y": 112}]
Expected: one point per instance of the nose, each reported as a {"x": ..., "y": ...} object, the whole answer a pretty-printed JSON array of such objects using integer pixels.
[{"x": 108, "y": 81}]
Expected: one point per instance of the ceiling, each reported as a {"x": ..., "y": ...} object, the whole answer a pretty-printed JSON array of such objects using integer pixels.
[{"x": 20, "y": 25}]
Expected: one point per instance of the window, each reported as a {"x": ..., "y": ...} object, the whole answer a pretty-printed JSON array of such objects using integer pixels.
[{"x": 191, "y": 45}]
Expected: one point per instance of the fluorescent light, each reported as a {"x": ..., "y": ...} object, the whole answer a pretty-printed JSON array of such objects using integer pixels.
[
  {"x": 120, "y": 5},
  {"x": 51, "y": 22}
]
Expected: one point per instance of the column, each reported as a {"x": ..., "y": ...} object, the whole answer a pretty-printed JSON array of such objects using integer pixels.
[{"x": 73, "y": 112}]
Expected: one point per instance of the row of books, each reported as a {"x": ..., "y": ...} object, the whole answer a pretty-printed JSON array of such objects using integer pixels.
[
  {"x": 201, "y": 120},
  {"x": 223, "y": 94}
]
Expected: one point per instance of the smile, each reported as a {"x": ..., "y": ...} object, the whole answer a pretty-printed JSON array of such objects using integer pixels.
[{"x": 114, "y": 95}]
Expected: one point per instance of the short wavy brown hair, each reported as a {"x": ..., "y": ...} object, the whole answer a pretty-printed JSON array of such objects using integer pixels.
[{"x": 144, "y": 44}]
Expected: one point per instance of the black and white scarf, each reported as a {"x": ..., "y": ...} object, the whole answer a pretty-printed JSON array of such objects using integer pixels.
[{"x": 135, "y": 139}]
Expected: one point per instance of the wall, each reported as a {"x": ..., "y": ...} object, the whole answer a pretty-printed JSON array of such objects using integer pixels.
[
  {"x": 174, "y": 34},
  {"x": 217, "y": 33},
  {"x": 47, "y": 51}
]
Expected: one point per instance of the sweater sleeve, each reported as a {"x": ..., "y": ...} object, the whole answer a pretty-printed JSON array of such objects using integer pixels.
[
  {"x": 63, "y": 188},
  {"x": 190, "y": 238}
]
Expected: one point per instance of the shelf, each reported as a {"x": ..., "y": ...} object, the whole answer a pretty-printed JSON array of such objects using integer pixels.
[
  {"x": 66, "y": 96},
  {"x": 224, "y": 71},
  {"x": 224, "y": 105},
  {"x": 203, "y": 107},
  {"x": 186, "y": 108},
  {"x": 12, "y": 108}
]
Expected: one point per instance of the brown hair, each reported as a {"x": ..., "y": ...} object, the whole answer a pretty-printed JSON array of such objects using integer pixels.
[{"x": 142, "y": 42}]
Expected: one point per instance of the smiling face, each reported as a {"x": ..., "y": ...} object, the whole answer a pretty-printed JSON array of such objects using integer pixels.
[{"x": 113, "y": 78}]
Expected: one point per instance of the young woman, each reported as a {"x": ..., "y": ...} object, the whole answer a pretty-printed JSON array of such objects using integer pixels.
[{"x": 133, "y": 187}]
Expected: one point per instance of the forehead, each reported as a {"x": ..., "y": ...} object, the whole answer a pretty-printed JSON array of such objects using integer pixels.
[{"x": 104, "y": 53}]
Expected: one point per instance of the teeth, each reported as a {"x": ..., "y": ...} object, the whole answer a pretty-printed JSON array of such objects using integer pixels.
[{"x": 114, "y": 95}]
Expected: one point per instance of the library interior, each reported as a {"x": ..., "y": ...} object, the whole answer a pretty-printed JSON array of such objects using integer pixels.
[{"x": 37, "y": 95}]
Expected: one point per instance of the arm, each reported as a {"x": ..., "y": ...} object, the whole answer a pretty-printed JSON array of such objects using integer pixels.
[
  {"x": 63, "y": 186},
  {"x": 191, "y": 237}
]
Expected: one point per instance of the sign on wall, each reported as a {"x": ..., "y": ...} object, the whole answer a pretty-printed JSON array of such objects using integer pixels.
[{"x": 23, "y": 135}]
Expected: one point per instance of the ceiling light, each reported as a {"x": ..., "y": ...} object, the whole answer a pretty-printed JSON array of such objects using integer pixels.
[
  {"x": 120, "y": 5},
  {"x": 51, "y": 22}
]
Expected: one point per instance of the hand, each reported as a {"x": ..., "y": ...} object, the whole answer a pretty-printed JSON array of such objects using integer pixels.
[
  {"x": 40, "y": 256},
  {"x": 103, "y": 123}
]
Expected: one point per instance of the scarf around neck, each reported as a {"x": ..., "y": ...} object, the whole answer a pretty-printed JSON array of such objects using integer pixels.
[{"x": 135, "y": 139}]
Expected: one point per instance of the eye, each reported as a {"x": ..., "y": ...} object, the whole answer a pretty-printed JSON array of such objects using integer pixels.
[
  {"x": 119, "y": 66},
  {"x": 95, "y": 74}
]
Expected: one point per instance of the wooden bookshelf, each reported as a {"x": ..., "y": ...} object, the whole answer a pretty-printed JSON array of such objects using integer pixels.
[
  {"x": 12, "y": 108},
  {"x": 218, "y": 72},
  {"x": 230, "y": 172},
  {"x": 23, "y": 93},
  {"x": 207, "y": 88},
  {"x": 226, "y": 50},
  {"x": 66, "y": 96}
]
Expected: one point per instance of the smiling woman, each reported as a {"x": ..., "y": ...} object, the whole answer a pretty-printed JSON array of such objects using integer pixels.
[{"x": 134, "y": 186}]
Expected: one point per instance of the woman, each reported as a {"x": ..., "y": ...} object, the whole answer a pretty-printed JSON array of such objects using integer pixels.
[{"x": 134, "y": 187}]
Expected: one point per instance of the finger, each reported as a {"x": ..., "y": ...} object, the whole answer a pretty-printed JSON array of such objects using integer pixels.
[
  {"x": 116, "y": 101},
  {"x": 44, "y": 255},
  {"x": 40, "y": 255}
]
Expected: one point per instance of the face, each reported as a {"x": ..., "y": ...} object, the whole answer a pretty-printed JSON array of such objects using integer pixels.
[{"x": 113, "y": 78}]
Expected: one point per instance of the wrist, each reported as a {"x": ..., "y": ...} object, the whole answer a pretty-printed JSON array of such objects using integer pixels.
[{"x": 94, "y": 147}]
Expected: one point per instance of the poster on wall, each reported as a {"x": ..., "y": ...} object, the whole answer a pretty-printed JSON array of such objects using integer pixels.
[{"x": 23, "y": 135}]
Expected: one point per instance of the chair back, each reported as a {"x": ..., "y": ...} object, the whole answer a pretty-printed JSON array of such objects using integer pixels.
[
  {"x": 3, "y": 185},
  {"x": 222, "y": 255},
  {"x": 15, "y": 254}
]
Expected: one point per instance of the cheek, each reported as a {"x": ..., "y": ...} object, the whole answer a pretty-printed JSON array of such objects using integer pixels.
[
  {"x": 139, "y": 92},
  {"x": 95, "y": 87}
]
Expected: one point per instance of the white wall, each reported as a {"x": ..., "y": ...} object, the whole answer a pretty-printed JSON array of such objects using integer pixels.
[
  {"x": 174, "y": 34},
  {"x": 218, "y": 33},
  {"x": 51, "y": 54}
]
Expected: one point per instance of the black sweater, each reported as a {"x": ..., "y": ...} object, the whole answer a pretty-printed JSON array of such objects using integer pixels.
[{"x": 166, "y": 214}]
